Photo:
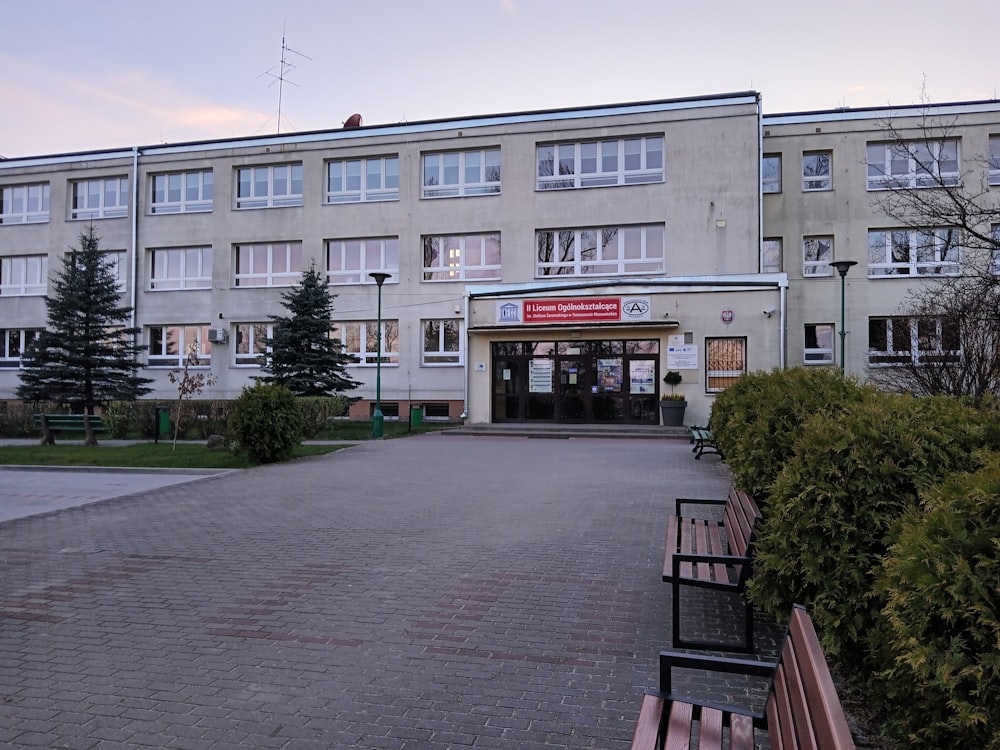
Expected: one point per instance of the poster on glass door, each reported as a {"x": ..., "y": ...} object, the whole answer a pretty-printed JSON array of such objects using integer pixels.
[{"x": 640, "y": 376}]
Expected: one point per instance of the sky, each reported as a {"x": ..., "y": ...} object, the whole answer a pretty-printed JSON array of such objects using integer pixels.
[{"x": 122, "y": 73}]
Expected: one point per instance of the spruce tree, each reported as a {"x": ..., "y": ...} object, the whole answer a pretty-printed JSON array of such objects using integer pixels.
[
  {"x": 86, "y": 357},
  {"x": 303, "y": 357}
]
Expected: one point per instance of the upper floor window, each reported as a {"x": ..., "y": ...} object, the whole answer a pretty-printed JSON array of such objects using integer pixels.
[
  {"x": 899, "y": 340},
  {"x": 363, "y": 180},
  {"x": 24, "y": 204},
  {"x": 251, "y": 347},
  {"x": 99, "y": 199},
  {"x": 23, "y": 275},
  {"x": 915, "y": 164},
  {"x": 272, "y": 186},
  {"x": 994, "y": 160},
  {"x": 912, "y": 252},
  {"x": 182, "y": 192},
  {"x": 600, "y": 251},
  {"x": 770, "y": 255},
  {"x": 360, "y": 339},
  {"x": 180, "y": 268},
  {"x": 462, "y": 257},
  {"x": 816, "y": 170},
  {"x": 818, "y": 348},
  {"x": 171, "y": 345},
  {"x": 725, "y": 362},
  {"x": 454, "y": 173},
  {"x": 15, "y": 341},
  {"x": 817, "y": 253},
  {"x": 770, "y": 173},
  {"x": 268, "y": 264},
  {"x": 442, "y": 342},
  {"x": 995, "y": 252},
  {"x": 626, "y": 161},
  {"x": 350, "y": 261}
]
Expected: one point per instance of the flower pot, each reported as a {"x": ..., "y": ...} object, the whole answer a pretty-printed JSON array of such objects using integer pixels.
[{"x": 672, "y": 412}]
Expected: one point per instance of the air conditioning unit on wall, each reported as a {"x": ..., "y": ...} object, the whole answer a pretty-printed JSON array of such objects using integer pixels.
[{"x": 218, "y": 335}]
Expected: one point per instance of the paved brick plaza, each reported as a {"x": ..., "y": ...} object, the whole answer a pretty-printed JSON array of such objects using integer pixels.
[{"x": 430, "y": 592}]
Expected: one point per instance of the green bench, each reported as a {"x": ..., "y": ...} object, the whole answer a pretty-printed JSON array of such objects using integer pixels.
[
  {"x": 704, "y": 442},
  {"x": 52, "y": 424}
]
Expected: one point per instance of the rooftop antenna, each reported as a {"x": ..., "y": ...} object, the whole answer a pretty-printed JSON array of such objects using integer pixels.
[{"x": 283, "y": 69}]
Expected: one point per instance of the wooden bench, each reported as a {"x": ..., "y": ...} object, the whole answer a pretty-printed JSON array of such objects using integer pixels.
[
  {"x": 704, "y": 442},
  {"x": 52, "y": 424},
  {"x": 802, "y": 710},
  {"x": 713, "y": 554}
]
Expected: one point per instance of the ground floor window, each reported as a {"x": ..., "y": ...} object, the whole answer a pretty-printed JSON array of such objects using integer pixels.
[
  {"x": 725, "y": 362},
  {"x": 576, "y": 381},
  {"x": 818, "y": 344}
]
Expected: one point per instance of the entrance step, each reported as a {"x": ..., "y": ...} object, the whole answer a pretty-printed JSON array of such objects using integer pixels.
[{"x": 551, "y": 430}]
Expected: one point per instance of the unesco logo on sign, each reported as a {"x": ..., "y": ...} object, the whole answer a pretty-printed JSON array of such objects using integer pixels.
[
  {"x": 635, "y": 307},
  {"x": 509, "y": 312}
]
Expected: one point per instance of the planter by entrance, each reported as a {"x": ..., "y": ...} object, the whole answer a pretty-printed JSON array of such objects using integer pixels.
[{"x": 672, "y": 412}]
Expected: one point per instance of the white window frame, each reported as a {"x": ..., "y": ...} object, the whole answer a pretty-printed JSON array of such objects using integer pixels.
[
  {"x": 363, "y": 180},
  {"x": 249, "y": 349},
  {"x": 813, "y": 264},
  {"x": 110, "y": 201},
  {"x": 24, "y": 204},
  {"x": 770, "y": 174},
  {"x": 457, "y": 176},
  {"x": 942, "y": 242},
  {"x": 13, "y": 343},
  {"x": 716, "y": 370},
  {"x": 193, "y": 264},
  {"x": 915, "y": 333},
  {"x": 185, "y": 339},
  {"x": 181, "y": 192},
  {"x": 277, "y": 264},
  {"x": 915, "y": 164},
  {"x": 819, "y": 354},
  {"x": 349, "y": 261},
  {"x": 357, "y": 334},
  {"x": 771, "y": 255},
  {"x": 601, "y": 251},
  {"x": 817, "y": 171},
  {"x": 461, "y": 257},
  {"x": 263, "y": 183},
  {"x": 633, "y": 160},
  {"x": 994, "y": 161},
  {"x": 443, "y": 333},
  {"x": 23, "y": 275}
]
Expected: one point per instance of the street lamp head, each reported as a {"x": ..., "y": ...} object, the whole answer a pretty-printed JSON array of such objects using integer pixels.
[
  {"x": 843, "y": 266},
  {"x": 379, "y": 277}
]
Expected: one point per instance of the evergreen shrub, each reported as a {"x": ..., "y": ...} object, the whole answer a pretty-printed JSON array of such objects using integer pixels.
[
  {"x": 265, "y": 423},
  {"x": 941, "y": 583}
]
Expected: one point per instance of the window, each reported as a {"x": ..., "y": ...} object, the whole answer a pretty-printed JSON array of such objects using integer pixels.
[
  {"x": 15, "y": 342},
  {"x": 250, "y": 349},
  {"x": 899, "y": 341},
  {"x": 995, "y": 237},
  {"x": 913, "y": 252},
  {"x": 626, "y": 161},
  {"x": 817, "y": 252},
  {"x": 171, "y": 345},
  {"x": 725, "y": 362},
  {"x": 771, "y": 173},
  {"x": 816, "y": 174},
  {"x": 770, "y": 255},
  {"x": 24, "y": 204},
  {"x": 994, "y": 159},
  {"x": 269, "y": 187},
  {"x": 268, "y": 264},
  {"x": 180, "y": 268},
  {"x": 363, "y": 180},
  {"x": 360, "y": 340},
  {"x": 455, "y": 173},
  {"x": 442, "y": 342},
  {"x": 182, "y": 192},
  {"x": 100, "y": 199},
  {"x": 601, "y": 251},
  {"x": 912, "y": 165},
  {"x": 350, "y": 261},
  {"x": 23, "y": 275},
  {"x": 466, "y": 257},
  {"x": 819, "y": 344}
]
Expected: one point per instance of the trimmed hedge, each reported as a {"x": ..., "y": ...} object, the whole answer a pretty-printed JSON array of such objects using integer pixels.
[{"x": 265, "y": 423}]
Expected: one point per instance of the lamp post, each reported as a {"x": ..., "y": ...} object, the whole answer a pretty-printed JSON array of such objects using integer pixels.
[
  {"x": 842, "y": 266},
  {"x": 378, "y": 420}
]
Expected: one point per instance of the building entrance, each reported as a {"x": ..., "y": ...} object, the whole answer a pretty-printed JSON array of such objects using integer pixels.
[{"x": 576, "y": 381}]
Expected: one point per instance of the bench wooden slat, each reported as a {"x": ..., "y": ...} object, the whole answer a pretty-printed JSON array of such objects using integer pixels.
[
  {"x": 679, "y": 726},
  {"x": 647, "y": 731},
  {"x": 741, "y": 732},
  {"x": 710, "y": 729}
]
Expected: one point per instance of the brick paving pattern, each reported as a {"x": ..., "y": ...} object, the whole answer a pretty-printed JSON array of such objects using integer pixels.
[{"x": 430, "y": 592}]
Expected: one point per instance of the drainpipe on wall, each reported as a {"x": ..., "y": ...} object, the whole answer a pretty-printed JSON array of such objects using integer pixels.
[
  {"x": 783, "y": 327},
  {"x": 468, "y": 346},
  {"x": 135, "y": 233}
]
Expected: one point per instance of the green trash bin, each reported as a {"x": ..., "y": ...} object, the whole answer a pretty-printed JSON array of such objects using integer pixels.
[
  {"x": 416, "y": 415},
  {"x": 162, "y": 421}
]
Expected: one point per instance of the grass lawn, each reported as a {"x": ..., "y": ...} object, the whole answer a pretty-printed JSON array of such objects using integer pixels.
[{"x": 140, "y": 455}]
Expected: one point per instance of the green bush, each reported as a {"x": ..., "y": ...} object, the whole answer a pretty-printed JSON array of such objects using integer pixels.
[
  {"x": 832, "y": 508},
  {"x": 318, "y": 412},
  {"x": 757, "y": 420},
  {"x": 16, "y": 418},
  {"x": 265, "y": 423},
  {"x": 940, "y": 582}
]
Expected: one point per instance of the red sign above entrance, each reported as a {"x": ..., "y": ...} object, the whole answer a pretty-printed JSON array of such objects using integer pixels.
[{"x": 586, "y": 310}]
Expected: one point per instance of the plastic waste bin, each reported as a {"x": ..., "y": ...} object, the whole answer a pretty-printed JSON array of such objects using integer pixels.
[{"x": 416, "y": 415}]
